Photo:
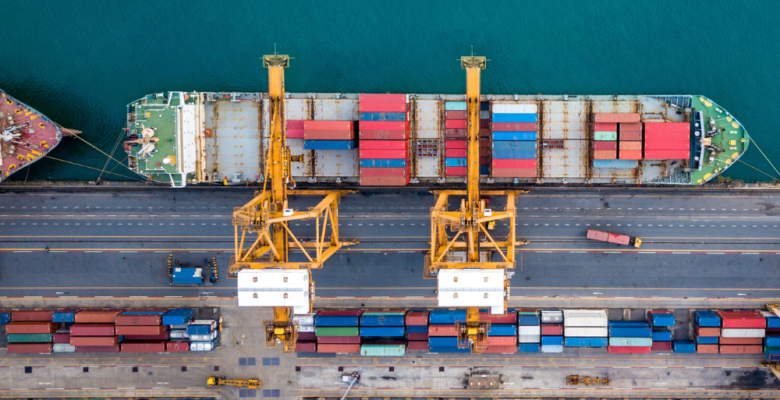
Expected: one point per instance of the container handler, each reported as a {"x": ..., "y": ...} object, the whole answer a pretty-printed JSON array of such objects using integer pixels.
[
  {"x": 615, "y": 238},
  {"x": 221, "y": 381}
]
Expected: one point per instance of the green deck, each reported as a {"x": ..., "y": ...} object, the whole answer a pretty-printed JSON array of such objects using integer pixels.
[{"x": 733, "y": 131}]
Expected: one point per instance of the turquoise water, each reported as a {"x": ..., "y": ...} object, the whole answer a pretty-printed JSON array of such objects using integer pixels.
[{"x": 81, "y": 62}]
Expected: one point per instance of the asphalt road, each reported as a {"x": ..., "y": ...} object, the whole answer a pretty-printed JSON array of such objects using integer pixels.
[{"x": 103, "y": 243}]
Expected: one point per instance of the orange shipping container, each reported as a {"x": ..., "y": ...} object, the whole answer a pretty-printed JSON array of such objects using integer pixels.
[
  {"x": 328, "y": 135},
  {"x": 630, "y": 145},
  {"x": 140, "y": 330},
  {"x": 384, "y": 180},
  {"x": 32, "y": 316},
  {"x": 616, "y": 117},
  {"x": 338, "y": 348},
  {"x": 93, "y": 341},
  {"x": 630, "y": 155},
  {"x": 707, "y": 348},
  {"x": 501, "y": 349},
  {"x": 705, "y": 331},
  {"x": 31, "y": 327},
  {"x": 605, "y": 127},
  {"x": 513, "y": 172},
  {"x": 629, "y": 127},
  {"x": 739, "y": 340},
  {"x": 501, "y": 340},
  {"x": 139, "y": 320},
  {"x": 29, "y": 348},
  {"x": 741, "y": 349},
  {"x": 97, "y": 317},
  {"x": 605, "y": 155},
  {"x": 442, "y": 330},
  {"x": 329, "y": 125}
]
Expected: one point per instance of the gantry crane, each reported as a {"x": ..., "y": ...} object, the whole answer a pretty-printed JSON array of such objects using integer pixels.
[
  {"x": 467, "y": 275},
  {"x": 267, "y": 277}
]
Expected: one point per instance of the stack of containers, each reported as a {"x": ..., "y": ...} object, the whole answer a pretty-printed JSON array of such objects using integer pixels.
[
  {"x": 442, "y": 333},
  {"x": 307, "y": 340},
  {"x": 772, "y": 339},
  {"x": 328, "y": 135},
  {"x": 203, "y": 335},
  {"x": 514, "y": 140},
  {"x": 605, "y": 143},
  {"x": 61, "y": 338},
  {"x": 337, "y": 331},
  {"x": 384, "y": 140},
  {"x": 630, "y": 337},
  {"x": 456, "y": 133},
  {"x": 605, "y": 135},
  {"x": 502, "y": 333},
  {"x": 585, "y": 328},
  {"x": 552, "y": 330},
  {"x": 178, "y": 319},
  {"x": 630, "y": 145},
  {"x": 484, "y": 138},
  {"x": 30, "y": 332},
  {"x": 382, "y": 333},
  {"x": 662, "y": 321},
  {"x": 742, "y": 332},
  {"x": 95, "y": 332},
  {"x": 667, "y": 140},
  {"x": 417, "y": 330},
  {"x": 529, "y": 331},
  {"x": 706, "y": 331}
]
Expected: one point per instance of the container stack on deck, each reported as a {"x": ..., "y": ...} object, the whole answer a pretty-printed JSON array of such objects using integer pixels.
[
  {"x": 585, "y": 328},
  {"x": 630, "y": 337},
  {"x": 384, "y": 140},
  {"x": 611, "y": 150},
  {"x": 417, "y": 330},
  {"x": 772, "y": 339},
  {"x": 514, "y": 140},
  {"x": 667, "y": 140},
  {"x": 630, "y": 144},
  {"x": 456, "y": 133},
  {"x": 442, "y": 333},
  {"x": 707, "y": 331},
  {"x": 743, "y": 327},
  {"x": 338, "y": 331},
  {"x": 662, "y": 322},
  {"x": 484, "y": 138},
  {"x": 30, "y": 332},
  {"x": 529, "y": 331},
  {"x": 383, "y": 333},
  {"x": 328, "y": 135},
  {"x": 307, "y": 340},
  {"x": 502, "y": 336}
]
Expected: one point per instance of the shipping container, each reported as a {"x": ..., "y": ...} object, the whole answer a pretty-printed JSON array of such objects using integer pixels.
[
  {"x": 604, "y": 155},
  {"x": 29, "y": 338},
  {"x": 456, "y": 133},
  {"x": 336, "y": 320},
  {"x": 514, "y": 172},
  {"x": 456, "y": 153},
  {"x": 502, "y": 341},
  {"x": 629, "y": 155},
  {"x": 662, "y": 346},
  {"x": 138, "y": 320},
  {"x": 384, "y": 181},
  {"x": 741, "y": 349},
  {"x": 337, "y": 331},
  {"x": 93, "y": 330},
  {"x": 584, "y": 331},
  {"x": 456, "y": 124},
  {"x": 456, "y": 115},
  {"x": 630, "y": 136},
  {"x": 382, "y": 163},
  {"x": 338, "y": 348},
  {"x": 528, "y": 319},
  {"x": 584, "y": 318},
  {"x": 382, "y": 107},
  {"x": 295, "y": 124},
  {"x": 684, "y": 346},
  {"x": 552, "y": 317},
  {"x": 514, "y": 154},
  {"x": 724, "y": 340},
  {"x": 61, "y": 338},
  {"x": 456, "y": 144},
  {"x": 508, "y": 108},
  {"x": 616, "y": 117},
  {"x": 442, "y": 330},
  {"x": 29, "y": 348},
  {"x": 348, "y": 126},
  {"x": 305, "y": 347},
  {"x": 383, "y": 331},
  {"x": 772, "y": 341},
  {"x": 628, "y": 349},
  {"x": 631, "y": 332},
  {"x": 628, "y": 324},
  {"x": 443, "y": 341},
  {"x": 706, "y": 318},
  {"x": 615, "y": 164},
  {"x": 417, "y": 329},
  {"x": 97, "y": 349},
  {"x": 707, "y": 348},
  {"x": 494, "y": 349},
  {"x": 525, "y": 330},
  {"x": 510, "y": 317},
  {"x": 502, "y": 330},
  {"x": 382, "y": 320},
  {"x": 384, "y": 154},
  {"x": 592, "y": 342},
  {"x": 5, "y": 317},
  {"x": 630, "y": 127},
  {"x": 31, "y": 327},
  {"x": 447, "y": 316},
  {"x": 383, "y": 350},
  {"x": 704, "y": 331},
  {"x": 706, "y": 339},
  {"x": 32, "y": 316},
  {"x": 605, "y": 127},
  {"x": 605, "y": 136},
  {"x": 417, "y": 345},
  {"x": 630, "y": 146},
  {"x": 514, "y": 145},
  {"x": 747, "y": 321},
  {"x": 339, "y": 339},
  {"x": 295, "y": 133},
  {"x": 456, "y": 162},
  {"x": 552, "y": 348},
  {"x": 139, "y": 330},
  {"x": 605, "y": 146},
  {"x": 514, "y": 117},
  {"x": 203, "y": 346},
  {"x": 381, "y": 98},
  {"x": 64, "y": 316},
  {"x": 96, "y": 341},
  {"x": 330, "y": 145},
  {"x": 142, "y": 347},
  {"x": 162, "y": 336},
  {"x": 655, "y": 127},
  {"x": 182, "y": 334},
  {"x": 63, "y": 348},
  {"x": 391, "y": 172},
  {"x": 382, "y": 116},
  {"x": 328, "y": 135},
  {"x": 662, "y": 336},
  {"x": 384, "y": 145},
  {"x": 665, "y": 145},
  {"x": 417, "y": 318},
  {"x": 552, "y": 329},
  {"x": 178, "y": 316},
  {"x": 455, "y": 106},
  {"x": 177, "y": 346},
  {"x": 529, "y": 127},
  {"x": 742, "y": 333},
  {"x": 528, "y": 347},
  {"x": 383, "y": 135},
  {"x": 97, "y": 317},
  {"x": 552, "y": 341},
  {"x": 417, "y": 335},
  {"x": 666, "y": 154},
  {"x": 631, "y": 341}
]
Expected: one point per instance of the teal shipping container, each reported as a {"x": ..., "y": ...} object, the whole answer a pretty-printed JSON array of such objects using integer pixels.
[
  {"x": 383, "y": 350},
  {"x": 514, "y": 145},
  {"x": 615, "y": 163},
  {"x": 631, "y": 341},
  {"x": 29, "y": 338},
  {"x": 605, "y": 136},
  {"x": 455, "y": 106}
]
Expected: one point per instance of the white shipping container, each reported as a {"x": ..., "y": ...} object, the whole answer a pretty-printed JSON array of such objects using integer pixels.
[
  {"x": 201, "y": 346},
  {"x": 585, "y": 318},
  {"x": 305, "y": 319},
  {"x": 63, "y": 348},
  {"x": 552, "y": 317},
  {"x": 212, "y": 323},
  {"x": 306, "y": 328},
  {"x": 179, "y": 334},
  {"x": 499, "y": 108},
  {"x": 529, "y": 330},
  {"x": 743, "y": 333},
  {"x": 203, "y": 338},
  {"x": 574, "y": 331},
  {"x": 552, "y": 348},
  {"x": 529, "y": 339},
  {"x": 180, "y": 326}
]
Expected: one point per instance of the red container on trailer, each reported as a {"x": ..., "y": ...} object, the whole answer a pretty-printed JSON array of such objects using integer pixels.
[
  {"x": 666, "y": 154},
  {"x": 384, "y": 144},
  {"x": 442, "y": 330},
  {"x": 384, "y": 181},
  {"x": 28, "y": 348},
  {"x": 456, "y": 115},
  {"x": 552, "y": 329},
  {"x": 383, "y": 135},
  {"x": 417, "y": 318},
  {"x": 499, "y": 163},
  {"x": 456, "y": 124},
  {"x": 138, "y": 320},
  {"x": 630, "y": 127},
  {"x": 707, "y": 348},
  {"x": 140, "y": 330},
  {"x": 98, "y": 349},
  {"x": 456, "y": 144},
  {"x": 417, "y": 345},
  {"x": 637, "y": 136},
  {"x": 371, "y": 171},
  {"x": 382, "y": 107},
  {"x": 456, "y": 133},
  {"x": 628, "y": 349},
  {"x": 381, "y": 98},
  {"x": 329, "y": 125},
  {"x": 513, "y": 172},
  {"x": 605, "y": 127},
  {"x": 514, "y": 126},
  {"x": 707, "y": 331},
  {"x": 618, "y": 239},
  {"x": 604, "y": 145},
  {"x": 31, "y": 327},
  {"x": 338, "y": 348},
  {"x": 340, "y": 312},
  {"x": 593, "y": 234},
  {"x": 616, "y": 117},
  {"x": 417, "y": 335},
  {"x": 177, "y": 346},
  {"x": 328, "y": 135},
  {"x": 32, "y": 316},
  {"x": 338, "y": 339},
  {"x": 456, "y": 153},
  {"x": 661, "y": 346},
  {"x": 97, "y": 341},
  {"x": 509, "y": 318},
  {"x": 305, "y": 347},
  {"x": 307, "y": 336},
  {"x": 61, "y": 338},
  {"x": 92, "y": 330},
  {"x": 162, "y": 336},
  {"x": 741, "y": 349},
  {"x": 142, "y": 347},
  {"x": 97, "y": 317},
  {"x": 737, "y": 340},
  {"x": 502, "y": 340},
  {"x": 455, "y": 171},
  {"x": 629, "y": 155},
  {"x": 508, "y": 349},
  {"x": 384, "y": 154}
]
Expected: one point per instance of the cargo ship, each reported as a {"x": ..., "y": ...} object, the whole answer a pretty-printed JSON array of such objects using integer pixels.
[
  {"x": 26, "y": 135},
  {"x": 418, "y": 140}
]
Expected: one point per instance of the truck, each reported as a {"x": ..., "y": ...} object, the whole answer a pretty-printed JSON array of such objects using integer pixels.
[{"x": 615, "y": 238}]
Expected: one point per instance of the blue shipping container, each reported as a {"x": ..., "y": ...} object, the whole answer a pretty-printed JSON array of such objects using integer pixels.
[
  {"x": 773, "y": 322},
  {"x": 772, "y": 341},
  {"x": 455, "y": 106},
  {"x": 382, "y": 116},
  {"x": 382, "y": 331},
  {"x": 335, "y": 320},
  {"x": 505, "y": 136},
  {"x": 64, "y": 316},
  {"x": 515, "y": 145},
  {"x": 514, "y": 117},
  {"x": 629, "y": 324},
  {"x": 187, "y": 276},
  {"x": 446, "y": 316},
  {"x": 417, "y": 328},
  {"x": 662, "y": 336},
  {"x": 707, "y": 318},
  {"x": 5, "y": 318},
  {"x": 178, "y": 316},
  {"x": 328, "y": 144},
  {"x": 773, "y": 355},
  {"x": 552, "y": 340},
  {"x": 615, "y": 163},
  {"x": 527, "y": 320},
  {"x": 484, "y": 106},
  {"x": 662, "y": 319},
  {"x": 382, "y": 163},
  {"x": 585, "y": 342},
  {"x": 634, "y": 332},
  {"x": 684, "y": 346},
  {"x": 528, "y": 347},
  {"x": 456, "y": 162},
  {"x": 502, "y": 330},
  {"x": 484, "y": 169},
  {"x": 443, "y": 341},
  {"x": 514, "y": 154},
  {"x": 707, "y": 339},
  {"x": 439, "y": 349},
  {"x": 198, "y": 329},
  {"x": 382, "y": 320}
]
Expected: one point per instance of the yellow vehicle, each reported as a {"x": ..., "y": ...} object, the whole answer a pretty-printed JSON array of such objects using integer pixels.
[{"x": 248, "y": 383}]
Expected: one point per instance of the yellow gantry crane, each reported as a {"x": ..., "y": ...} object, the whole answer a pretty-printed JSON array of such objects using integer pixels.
[
  {"x": 463, "y": 264},
  {"x": 267, "y": 277}
]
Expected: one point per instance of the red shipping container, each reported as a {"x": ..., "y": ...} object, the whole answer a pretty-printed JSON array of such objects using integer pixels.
[
  {"x": 329, "y": 125},
  {"x": 552, "y": 329},
  {"x": 667, "y": 145},
  {"x": 484, "y": 161},
  {"x": 162, "y": 336},
  {"x": 305, "y": 347},
  {"x": 629, "y": 155},
  {"x": 484, "y": 124},
  {"x": 31, "y": 327},
  {"x": 456, "y": 144},
  {"x": 370, "y": 171},
  {"x": 382, "y": 107},
  {"x": 177, "y": 346},
  {"x": 142, "y": 347},
  {"x": 630, "y": 145},
  {"x": 295, "y": 124},
  {"x": 340, "y": 312},
  {"x": 455, "y": 171},
  {"x": 484, "y": 152},
  {"x": 456, "y": 124},
  {"x": 744, "y": 323},
  {"x": 661, "y": 346},
  {"x": 97, "y": 317},
  {"x": 667, "y": 137},
  {"x": 61, "y": 338},
  {"x": 707, "y": 348},
  {"x": 484, "y": 133},
  {"x": 307, "y": 336},
  {"x": 383, "y": 135},
  {"x": 498, "y": 163},
  {"x": 628, "y": 349},
  {"x": 456, "y": 133},
  {"x": 417, "y": 345},
  {"x": 92, "y": 330},
  {"x": 159, "y": 310},
  {"x": 139, "y": 320},
  {"x": 456, "y": 153},
  {"x": 140, "y": 330},
  {"x": 666, "y": 154},
  {"x": 618, "y": 239},
  {"x": 417, "y": 336},
  {"x": 328, "y": 135},
  {"x": 456, "y": 115},
  {"x": 605, "y": 127},
  {"x": 338, "y": 348},
  {"x": 653, "y": 127},
  {"x": 513, "y": 172},
  {"x": 391, "y": 126},
  {"x": 604, "y": 145},
  {"x": 381, "y": 98},
  {"x": 93, "y": 341},
  {"x": 616, "y": 117},
  {"x": 442, "y": 330},
  {"x": 509, "y": 318},
  {"x": 502, "y": 340},
  {"x": 29, "y": 348},
  {"x": 384, "y": 181},
  {"x": 384, "y": 144},
  {"x": 31, "y": 316},
  {"x": 338, "y": 339},
  {"x": 629, "y": 127},
  {"x": 605, "y": 155},
  {"x": 294, "y": 133},
  {"x": 637, "y": 136},
  {"x": 98, "y": 349},
  {"x": 484, "y": 143},
  {"x": 510, "y": 349},
  {"x": 738, "y": 340},
  {"x": 417, "y": 318},
  {"x": 741, "y": 349},
  {"x": 707, "y": 331},
  {"x": 384, "y": 154},
  {"x": 514, "y": 126}
]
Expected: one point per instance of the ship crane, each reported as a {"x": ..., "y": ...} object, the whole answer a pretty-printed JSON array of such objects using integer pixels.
[
  {"x": 463, "y": 265},
  {"x": 267, "y": 277}
]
